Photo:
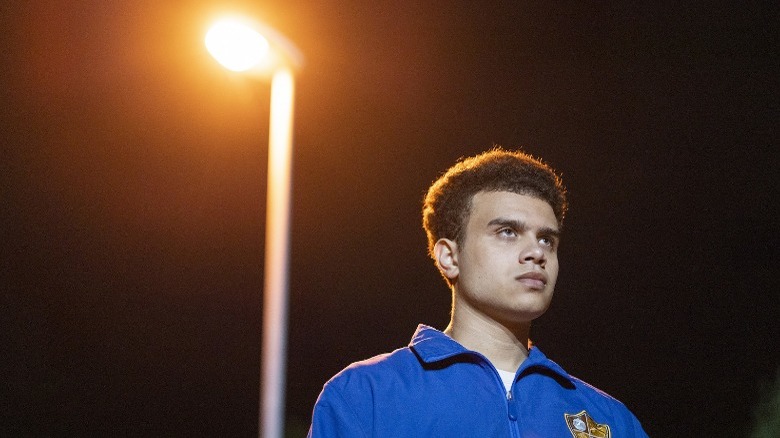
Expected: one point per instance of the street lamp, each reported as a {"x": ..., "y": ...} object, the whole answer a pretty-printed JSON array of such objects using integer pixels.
[{"x": 239, "y": 46}]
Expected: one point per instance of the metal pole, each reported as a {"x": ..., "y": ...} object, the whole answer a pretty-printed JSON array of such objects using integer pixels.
[{"x": 277, "y": 245}]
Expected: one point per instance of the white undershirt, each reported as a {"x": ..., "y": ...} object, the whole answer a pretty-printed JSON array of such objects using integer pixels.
[{"x": 508, "y": 378}]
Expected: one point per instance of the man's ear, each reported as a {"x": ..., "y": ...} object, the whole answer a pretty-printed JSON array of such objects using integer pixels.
[{"x": 446, "y": 252}]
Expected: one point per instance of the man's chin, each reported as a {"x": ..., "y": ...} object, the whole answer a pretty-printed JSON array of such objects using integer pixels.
[
  {"x": 528, "y": 314},
  {"x": 521, "y": 316}
]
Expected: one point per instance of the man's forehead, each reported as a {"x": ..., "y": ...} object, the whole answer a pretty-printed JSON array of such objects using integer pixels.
[
  {"x": 505, "y": 197},
  {"x": 511, "y": 205}
]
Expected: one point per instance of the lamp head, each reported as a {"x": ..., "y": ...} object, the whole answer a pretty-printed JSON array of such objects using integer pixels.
[{"x": 243, "y": 46}]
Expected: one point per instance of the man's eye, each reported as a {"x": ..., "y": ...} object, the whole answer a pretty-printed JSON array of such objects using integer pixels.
[
  {"x": 507, "y": 232},
  {"x": 547, "y": 241}
]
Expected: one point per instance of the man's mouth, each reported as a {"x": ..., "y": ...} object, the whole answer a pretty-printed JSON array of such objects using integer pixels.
[{"x": 533, "y": 280}]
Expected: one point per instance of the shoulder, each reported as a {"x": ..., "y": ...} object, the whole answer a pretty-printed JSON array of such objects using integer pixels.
[
  {"x": 598, "y": 401},
  {"x": 582, "y": 398},
  {"x": 537, "y": 360},
  {"x": 596, "y": 394},
  {"x": 347, "y": 403},
  {"x": 374, "y": 371}
]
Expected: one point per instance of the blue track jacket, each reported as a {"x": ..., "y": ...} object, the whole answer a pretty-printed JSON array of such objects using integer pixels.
[{"x": 435, "y": 387}]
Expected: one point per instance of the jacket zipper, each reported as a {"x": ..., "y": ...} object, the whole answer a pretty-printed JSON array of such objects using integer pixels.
[{"x": 513, "y": 414}]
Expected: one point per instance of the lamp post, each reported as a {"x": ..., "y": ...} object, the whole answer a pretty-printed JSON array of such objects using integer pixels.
[{"x": 240, "y": 47}]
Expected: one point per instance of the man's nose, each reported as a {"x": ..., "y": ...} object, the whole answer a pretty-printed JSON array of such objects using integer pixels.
[{"x": 532, "y": 252}]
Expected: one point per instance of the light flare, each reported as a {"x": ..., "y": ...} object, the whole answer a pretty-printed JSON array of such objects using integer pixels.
[{"x": 235, "y": 45}]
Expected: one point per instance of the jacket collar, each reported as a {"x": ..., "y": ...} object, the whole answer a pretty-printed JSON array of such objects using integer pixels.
[{"x": 432, "y": 345}]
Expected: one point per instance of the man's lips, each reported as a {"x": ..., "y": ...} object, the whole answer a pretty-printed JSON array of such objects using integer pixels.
[{"x": 534, "y": 280}]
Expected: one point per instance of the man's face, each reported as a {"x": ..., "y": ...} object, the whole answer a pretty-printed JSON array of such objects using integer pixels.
[{"x": 508, "y": 263}]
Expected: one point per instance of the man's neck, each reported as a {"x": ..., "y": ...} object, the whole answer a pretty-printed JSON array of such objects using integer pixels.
[{"x": 505, "y": 345}]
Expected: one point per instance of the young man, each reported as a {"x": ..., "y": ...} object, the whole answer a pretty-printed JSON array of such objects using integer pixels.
[{"x": 493, "y": 223}]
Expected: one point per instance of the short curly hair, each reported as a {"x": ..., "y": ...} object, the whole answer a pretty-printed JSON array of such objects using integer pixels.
[{"x": 447, "y": 204}]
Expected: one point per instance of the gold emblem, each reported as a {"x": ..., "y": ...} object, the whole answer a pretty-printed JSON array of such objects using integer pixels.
[{"x": 582, "y": 426}]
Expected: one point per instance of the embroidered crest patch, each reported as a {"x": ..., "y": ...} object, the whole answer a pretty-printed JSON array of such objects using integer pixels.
[{"x": 582, "y": 426}]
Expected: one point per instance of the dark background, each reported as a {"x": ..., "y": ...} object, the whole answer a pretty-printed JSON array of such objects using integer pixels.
[{"x": 133, "y": 198}]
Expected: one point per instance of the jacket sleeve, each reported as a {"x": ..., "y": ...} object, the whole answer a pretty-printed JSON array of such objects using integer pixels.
[
  {"x": 638, "y": 431},
  {"x": 335, "y": 417},
  {"x": 630, "y": 425}
]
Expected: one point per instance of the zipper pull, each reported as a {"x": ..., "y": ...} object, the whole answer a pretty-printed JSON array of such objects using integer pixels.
[{"x": 512, "y": 405}]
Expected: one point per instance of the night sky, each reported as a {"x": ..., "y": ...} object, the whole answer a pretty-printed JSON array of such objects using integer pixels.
[{"x": 133, "y": 200}]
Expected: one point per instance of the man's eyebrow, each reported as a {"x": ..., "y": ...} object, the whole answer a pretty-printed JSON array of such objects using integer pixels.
[
  {"x": 511, "y": 223},
  {"x": 519, "y": 225},
  {"x": 552, "y": 232}
]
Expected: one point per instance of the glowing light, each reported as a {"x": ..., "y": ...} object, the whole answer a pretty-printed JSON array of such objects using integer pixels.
[
  {"x": 240, "y": 48},
  {"x": 235, "y": 45},
  {"x": 277, "y": 250}
]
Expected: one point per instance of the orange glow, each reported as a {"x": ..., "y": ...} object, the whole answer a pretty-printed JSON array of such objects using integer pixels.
[{"x": 235, "y": 45}]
